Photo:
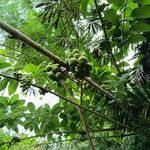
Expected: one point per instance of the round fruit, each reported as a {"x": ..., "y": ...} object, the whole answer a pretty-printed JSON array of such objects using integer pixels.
[
  {"x": 82, "y": 60},
  {"x": 76, "y": 55},
  {"x": 58, "y": 75},
  {"x": 50, "y": 74},
  {"x": 70, "y": 55},
  {"x": 75, "y": 51},
  {"x": 73, "y": 61}
]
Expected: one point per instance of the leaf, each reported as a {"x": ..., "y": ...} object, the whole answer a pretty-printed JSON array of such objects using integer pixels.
[
  {"x": 73, "y": 126},
  {"x": 83, "y": 6},
  {"x": 13, "y": 84},
  {"x": 14, "y": 98},
  {"x": 135, "y": 38},
  {"x": 3, "y": 84},
  {"x": 145, "y": 2},
  {"x": 3, "y": 101},
  {"x": 141, "y": 12},
  {"x": 4, "y": 65},
  {"x": 31, "y": 68},
  {"x": 111, "y": 16},
  {"x": 117, "y": 2},
  {"x": 140, "y": 26},
  {"x": 31, "y": 107}
]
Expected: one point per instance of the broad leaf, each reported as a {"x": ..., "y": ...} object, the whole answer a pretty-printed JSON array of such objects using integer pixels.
[
  {"x": 141, "y": 12},
  {"x": 140, "y": 26},
  {"x": 13, "y": 84},
  {"x": 117, "y": 2},
  {"x": 3, "y": 84},
  {"x": 111, "y": 16},
  {"x": 135, "y": 38},
  {"x": 3, "y": 101},
  {"x": 31, "y": 107},
  {"x": 145, "y": 2}
]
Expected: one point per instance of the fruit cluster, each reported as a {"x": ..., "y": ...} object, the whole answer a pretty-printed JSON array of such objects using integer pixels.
[
  {"x": 55, "y": 72},
  {"x": 79, "y": 65},
  {"x": 25, "y": 84}
]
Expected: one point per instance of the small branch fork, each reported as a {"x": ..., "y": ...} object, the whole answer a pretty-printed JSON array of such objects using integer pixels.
[{"x": 20, "y": 36}]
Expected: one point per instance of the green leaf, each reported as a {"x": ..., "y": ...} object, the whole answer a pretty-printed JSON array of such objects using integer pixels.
[
  {"x": 4, "y": 65},
  {"x": 117, "y": 2},
  {"x": 140, "y": 26},
  {"x": 3, "y": 84},
  {"x": 135, "y": 38},
  {"x": 73, "y": 126},
  {"x": 13, "y": 84},
  {"x": 111, "y": 16},
  {"x": 31, "y": 107},
  {"x": 83, "y": 6},
  {"x": 31, "y": 68},
  {"x": 3, "y": 101},
  {"x": 145, "y": 2},
  {"x": 14, "y": 98},
  {"x": 141, "y": 12}
]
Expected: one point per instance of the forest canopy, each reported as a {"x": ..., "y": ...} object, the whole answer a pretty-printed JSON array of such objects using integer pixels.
[{"x": 93, "y": 55}]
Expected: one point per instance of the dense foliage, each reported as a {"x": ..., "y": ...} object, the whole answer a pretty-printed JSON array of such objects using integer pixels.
[{"x": 83, "y": 59}]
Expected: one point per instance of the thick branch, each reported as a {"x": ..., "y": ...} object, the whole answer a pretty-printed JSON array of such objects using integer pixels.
[{"x": 17, "y": 34}]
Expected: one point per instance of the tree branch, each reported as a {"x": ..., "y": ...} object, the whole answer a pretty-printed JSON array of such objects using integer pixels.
[
  {"x": 106, "y": 37},
  {"x": 73, "y": 103},
  {"x": 81, "y": 117}
]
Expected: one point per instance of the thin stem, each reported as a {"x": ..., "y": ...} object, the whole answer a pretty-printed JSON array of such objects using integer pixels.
[
  {"x": 73, "y": 103},
  {"x": 81, "y": 117},
  {"x": 107, "y": 38}
]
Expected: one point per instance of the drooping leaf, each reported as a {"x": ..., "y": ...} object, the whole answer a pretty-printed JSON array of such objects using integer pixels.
[
  {"x": 3, "y": 84},
  {"x": 14, "y": 98},
  {"x": 31, "y": 107},
  {"x": 3, "y": 101},
  {"x": 84, "y": 4},
  {"x": 141, "y": 12},
  {"x": 135, "y": 38},
  {"x": 140, "y": 26},
  {"x": 4, "y": 64},
  {"x": 31, "y": 68},
  {"x": 13, "y": 84},
  {"x": 111, "y": 16},
  {"x": 145, "y": 2},
  {"x": 117, "y": 2}
]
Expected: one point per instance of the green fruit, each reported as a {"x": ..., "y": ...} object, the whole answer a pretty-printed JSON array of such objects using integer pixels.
[
  {"x": 50, "y": 74},
  {"x": 73, "y": 61},
  {"x": 82, "y": 60},
  {"x": 70, "y": 55},
  {"x": 58, "y": 75},
  {"x": 76, "y": 55},
  {"x": 75, "y": 51},
  {"x": 88, "y": 66}
]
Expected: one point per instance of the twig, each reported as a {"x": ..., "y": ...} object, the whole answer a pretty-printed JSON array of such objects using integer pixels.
[
  {"x": 73, "y": 103},
  {"x": 79, "y": 139},
  {"x": 81, "y": 117},
  {"x": 106, "y": 37}
]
